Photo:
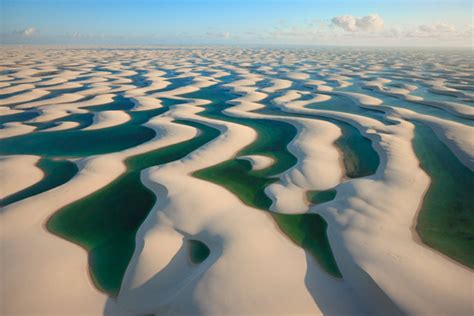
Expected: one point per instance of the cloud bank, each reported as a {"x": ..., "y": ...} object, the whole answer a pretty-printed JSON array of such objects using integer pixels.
[
  {"x": 368, "y": 30},
  {"x": 29, "y": 31},
  {"x": 223, "y": 35},
  {"x": 350, "y": 23}
]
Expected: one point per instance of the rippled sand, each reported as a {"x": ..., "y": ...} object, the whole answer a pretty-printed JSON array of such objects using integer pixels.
[{"x": 236, "y": 181}]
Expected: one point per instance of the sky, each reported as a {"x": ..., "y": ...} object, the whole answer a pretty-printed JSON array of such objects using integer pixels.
[{"x": 447, "y": 23}]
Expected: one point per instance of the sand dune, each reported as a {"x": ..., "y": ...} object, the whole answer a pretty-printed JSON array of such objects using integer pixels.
[
  {"x": 106, "y": 119},
  {"x": 51, "y": 262},
  {"x": 334, "y": 102},
  {"x": 147, "y": 293},
  {"x": 258, "y": 162},
  {"x": 62, "y": 126},
  {"x": 14, "y": 129},
  {"x": 18, "y": 173},
  {"x": 24, "y": 97}
]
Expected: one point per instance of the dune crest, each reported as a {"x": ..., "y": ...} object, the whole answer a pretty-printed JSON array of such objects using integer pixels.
[{"x": 237, "y": 181}]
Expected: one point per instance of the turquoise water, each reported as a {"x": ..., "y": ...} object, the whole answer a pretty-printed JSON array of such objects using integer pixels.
[
  {"x": 105, "y": 222},
  {"x": 175, "y": 83},
  {"x": 139, "y": 80},
  {"x": 419, "y": 108},
  {"x": 306, "y": 230},
  {"x": 198, "y": 251},
  {"x": 12, "y": 94},
  {"x": 119, "y": 103},
  {"x": 79, "y": 143},
  {"x": 56, "y": 172},
  {"x": 18, "y": 117},
  {"x": 446, "y": 218},
  {"x": 83, "y": 119},
  {"x": 359, "y": 157},
  {"x": 319, "y": 197},
  {"x": 75, "y": 143},
  {"x": 345, "y": 105}
]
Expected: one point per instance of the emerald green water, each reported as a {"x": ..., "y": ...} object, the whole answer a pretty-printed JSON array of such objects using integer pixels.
[
  {"x": 306, "y": 230},
  {"x": 309, "y": 231},
  {"x": 359, "y": 157},
  {"x": 273, "y": 136},
  {"x": 446, "y": 218},
  {"x": 83, "y": 119},
  {"x": 74, "y": 142},
  {"x": 119, "y": 103},
  {"x": 198, "y": 251},
  {"x": 78, "y": 143},
  {"x": 105, "y": 223},
  {"x": 56, "y": 173},
  {"x": 18, "y": 117},
  {"x": 319, "y": 197},
  {"x": 393, "y": 101},
  {"x": 342, "y": 104},
  {"x": 236, "y": 175}
]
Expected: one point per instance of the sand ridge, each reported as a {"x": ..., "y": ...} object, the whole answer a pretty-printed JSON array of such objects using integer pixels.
[{"x": 370, "y": 222}]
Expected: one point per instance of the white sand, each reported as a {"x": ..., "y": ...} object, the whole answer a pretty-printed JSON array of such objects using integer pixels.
[
  {"x": 278, "y": 84},
  {"x": 450, "y": 270},
  {"x": 63, "y": 98},
  {"x": 11, "y": 129},
  {"x": 5, "y": 110},
  {"x": 16, "y": 88},
  {"x": 43, "y": 261},
  {"x": 24, "y": 97},
  {"x": 18, "y": 173},
  {"x": 258, "y": 162},
  {"x": 253, "y": 268},
  {"x": 318, "y": 167},
  {"x": 242, "y": 233},
  {"x": 146, "y": 103},
  {"x": 62, "y": 126},
  {"x": 106, "y": 119},
  {"x": 377, "y": 248}
]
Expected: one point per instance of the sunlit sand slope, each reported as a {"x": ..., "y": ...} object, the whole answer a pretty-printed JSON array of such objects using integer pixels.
[{"x": 228, "y": 181}]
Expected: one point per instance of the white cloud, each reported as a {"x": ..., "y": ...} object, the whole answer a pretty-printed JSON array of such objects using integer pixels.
[
  {"x": 224, "y": 35},
  {"x": 347, "y": 22},
  {"x": 439, "y": 31},
  {"x": 367, "y": 30},
  {"x": 30, "y": 31},
  {"x": 437, "y": 28},
  {"x": 350, "y": 23}
]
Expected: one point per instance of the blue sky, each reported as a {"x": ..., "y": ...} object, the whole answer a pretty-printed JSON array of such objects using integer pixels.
[{"x": 309, "y": 22}]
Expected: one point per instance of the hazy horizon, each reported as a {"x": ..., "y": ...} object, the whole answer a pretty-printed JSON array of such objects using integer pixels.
[{"x": 399, "y": 23}]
